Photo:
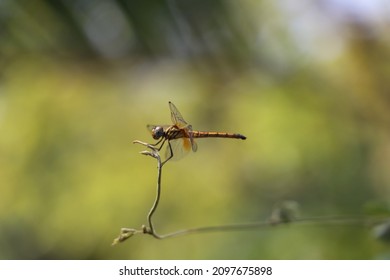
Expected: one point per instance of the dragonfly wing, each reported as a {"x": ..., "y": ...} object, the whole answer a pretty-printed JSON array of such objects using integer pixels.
[
  {"x": 180, "y": 148},
  {"x": 194, "y": 145},
  {"x": 176, "y": 117},
  {"x": 192, "y": 141}
]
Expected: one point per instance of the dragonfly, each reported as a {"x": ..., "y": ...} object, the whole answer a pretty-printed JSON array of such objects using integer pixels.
[{"x": 180, "y": 136}]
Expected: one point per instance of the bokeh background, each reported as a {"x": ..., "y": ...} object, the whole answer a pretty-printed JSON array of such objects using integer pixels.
[{"x": 308, "y": 83}]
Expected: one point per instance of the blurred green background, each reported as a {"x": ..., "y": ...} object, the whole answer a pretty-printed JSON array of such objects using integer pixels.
[{"x": 306, "y": 81}]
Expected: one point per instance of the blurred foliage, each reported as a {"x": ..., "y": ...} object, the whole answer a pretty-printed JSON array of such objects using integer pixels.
[{"x": 305, "y": 81}]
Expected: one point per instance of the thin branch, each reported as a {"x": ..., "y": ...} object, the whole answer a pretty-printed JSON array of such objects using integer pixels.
[
  {"x": 126, "y": 233},
  {"x": 330, "y": 220},
  {"x": 153, "y": 153},
  {"x": 283, "y": 214}
]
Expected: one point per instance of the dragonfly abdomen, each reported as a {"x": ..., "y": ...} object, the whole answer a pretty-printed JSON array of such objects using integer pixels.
[{"x": 205, "y": 134}]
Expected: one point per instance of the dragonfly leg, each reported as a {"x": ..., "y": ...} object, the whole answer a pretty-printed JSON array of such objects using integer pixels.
[
  {"x": 162, "y": 141},
  {"x": 170, "y": 153}
]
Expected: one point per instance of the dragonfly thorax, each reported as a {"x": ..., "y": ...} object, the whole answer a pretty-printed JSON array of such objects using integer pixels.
[{"x": 158, "y": 132}]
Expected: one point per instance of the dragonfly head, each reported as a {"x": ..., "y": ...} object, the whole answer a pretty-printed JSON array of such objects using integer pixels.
[{"x": 158, "y": 132}]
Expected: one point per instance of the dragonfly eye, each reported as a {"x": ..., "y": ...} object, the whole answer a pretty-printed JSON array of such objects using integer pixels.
[{"x": 158, "y": 132}]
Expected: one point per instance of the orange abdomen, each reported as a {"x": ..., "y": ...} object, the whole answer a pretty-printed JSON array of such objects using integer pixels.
[{"x": 204, "y": 134}]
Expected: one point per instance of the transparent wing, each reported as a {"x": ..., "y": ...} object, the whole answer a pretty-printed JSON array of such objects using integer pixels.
[
  {"x": 179, "y": 121},
  {"x": 193, "y": 143},
  {"x": 176, "y": 117},
  {"x": 180, "y": 148}
]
